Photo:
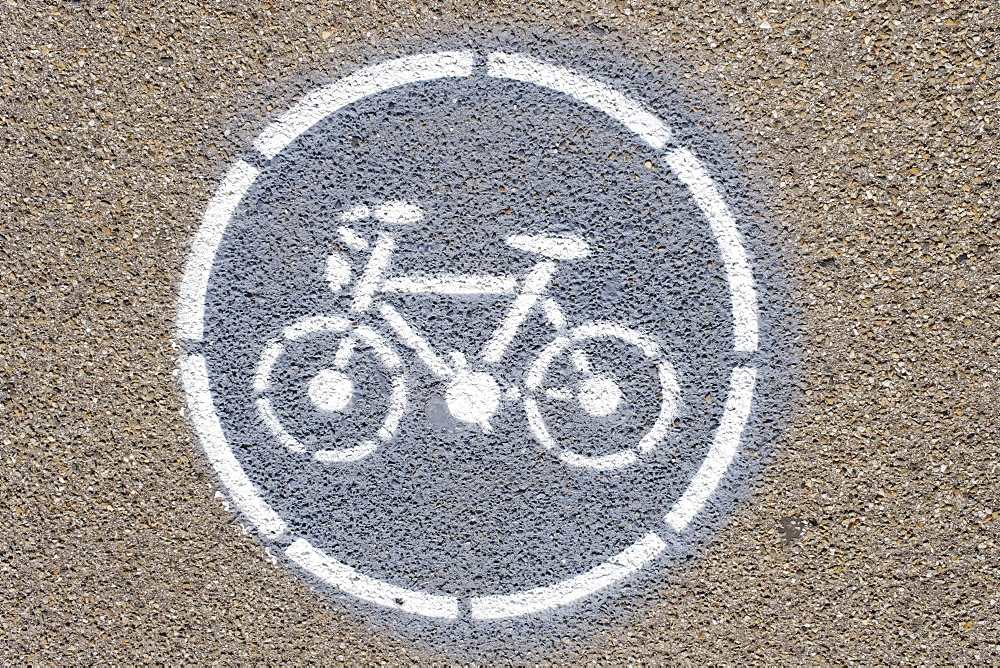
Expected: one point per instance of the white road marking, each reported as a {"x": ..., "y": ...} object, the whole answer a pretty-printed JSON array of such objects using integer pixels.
[
  {"x": 194, "y": 284},
  {"x": 473, "y": 396},
  {"x": 397, "y": 406},
  {"x": 741, "y": 283},
  {"x": 266, "y": 411},
  {"x": 201, "y": 412},
  {"x": 534, "y": 286},
  {"x": 372, "y": 276},
  {"x": 554, "y": 313},
  {"x": 262, "y": 379},
  {"x": 346, "y": 455},
  {"x": 452, "y": 284},
  {"x": 413, "y": 340},
  {"x": 561, "y": 395},
  {"x": 319, "y": 323},
  {"x": 629, "y": 561},
  {"x": 616, "y": 105},
  {"x": 671, "y": 397},
  {"x": 375, "y": 79},
  {"x": 721, "y": 453},
  {"x": 537, "y": 423},
  {"x": 344, "y": 351},
  {"x": 615, "y": 460},
  {"x": 398, "y": 212},
  {"x": 351, "y": 238},
  {"x": 338, "y": 272},
  {"x": 581, "y": 363},
  {"x": 318, "y": 104},
  {"x": 557, "y": 247},
  {"x": 355, "y": 214},
  {"x": 347, "y": 579},
  {"x": 330, "y": 390},
  {"x": 600, "y": 396}
]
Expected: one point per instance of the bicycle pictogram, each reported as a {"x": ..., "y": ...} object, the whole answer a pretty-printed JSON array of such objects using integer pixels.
[
  {"x": 473, "y": 394},
  {"x": 470, "y": 336}
]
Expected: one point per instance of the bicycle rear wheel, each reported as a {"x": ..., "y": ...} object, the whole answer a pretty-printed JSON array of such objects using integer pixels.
[{"x": 332, "y": 390}]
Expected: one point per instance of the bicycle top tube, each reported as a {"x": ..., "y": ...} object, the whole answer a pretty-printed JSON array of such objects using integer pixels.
[{"x": 373, "y": 281}]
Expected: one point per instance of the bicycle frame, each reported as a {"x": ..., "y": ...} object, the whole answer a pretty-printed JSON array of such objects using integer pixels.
[
  {"x": 472, "y": 396},
  {"x": 532, "y": 289}
]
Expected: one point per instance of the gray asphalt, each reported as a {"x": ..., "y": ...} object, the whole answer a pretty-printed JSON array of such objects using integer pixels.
[{"x": 870, "y": 129}]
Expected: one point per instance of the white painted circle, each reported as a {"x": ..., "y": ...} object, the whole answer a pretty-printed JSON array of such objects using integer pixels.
[
  {"x": 472, "y": 398},
  {"x": 330, "y": 390},
  {"x": 599, "y": 396}
]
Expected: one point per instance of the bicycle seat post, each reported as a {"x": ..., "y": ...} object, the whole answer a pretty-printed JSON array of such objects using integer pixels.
[{"x": 371, "y": 277}]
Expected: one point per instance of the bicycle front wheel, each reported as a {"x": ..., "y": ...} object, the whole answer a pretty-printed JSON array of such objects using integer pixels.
[{"x": 600, "y": 396}]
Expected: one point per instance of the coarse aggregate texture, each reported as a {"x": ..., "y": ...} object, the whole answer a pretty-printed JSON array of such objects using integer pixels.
[{"x": 870, "y": 538}]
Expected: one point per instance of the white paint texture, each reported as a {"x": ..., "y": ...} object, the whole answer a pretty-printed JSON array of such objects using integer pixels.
[
  {"x": 348, "y": 580},
  {"x": 398, "y": 213},
  {"x": 720, "y": 455},
  {"x": 319, "y": 323},
  {"x": 531, "y": 601},
  {"x": 369, "y": 282},
  {"x": 338, "y": 272},
  {"x": 330, "y": 390},
  {"x": 620, "y": 107},
  {"x": 741, "y": 284},
  {"x": 351, "y": 238},
  {"x": 262, "y": 379},
  {"x": 451, "y": 284},
  {"x": 346, "y": 455},
  {"x": 201, "y": 412},
  {"x": 557, "y": 247},
  {"x": 194, "y": 284},
  {"x": 322, "y": 102},
  {"x": 473, "y": 397},
  {"x": 599, "y": 396}
]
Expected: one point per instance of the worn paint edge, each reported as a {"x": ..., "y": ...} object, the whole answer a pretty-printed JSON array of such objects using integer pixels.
[
  {"x": 616, "y": 105},
  {"x": 720, "y": 454},
  {"x": 201, "y": 412},
  {"x": 320, "y": 103}
]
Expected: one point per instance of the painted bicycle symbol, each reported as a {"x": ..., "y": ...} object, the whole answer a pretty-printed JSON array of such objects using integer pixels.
[{"x": 473, "y": 394}]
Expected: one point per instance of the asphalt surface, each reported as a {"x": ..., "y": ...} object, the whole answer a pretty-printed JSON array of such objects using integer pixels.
[{"x": 869, "y": 128}]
